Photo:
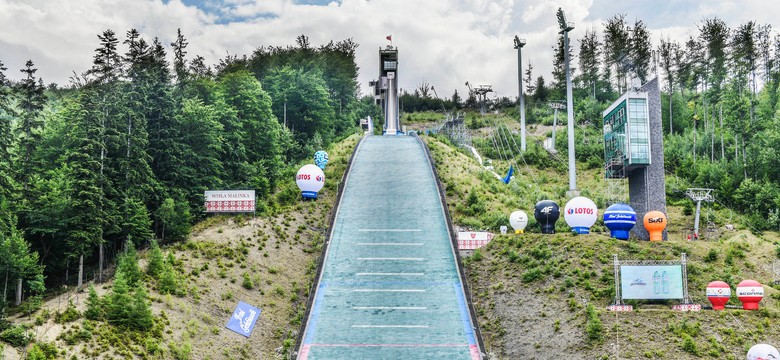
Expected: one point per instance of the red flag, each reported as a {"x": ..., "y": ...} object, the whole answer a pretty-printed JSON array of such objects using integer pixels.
[{"x": 389, "y": 38}]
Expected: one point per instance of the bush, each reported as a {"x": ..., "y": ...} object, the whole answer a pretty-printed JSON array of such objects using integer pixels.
[
  {"x": 42, "y": 351},
  {"x": 531, "y": 275},
  {"x": 594, "y": 328},
  {"x": 96, "y": 309},
  {"x": 689, "y": 345},
  {"x": 247, "y": 283},
  {"x": 16, "y": 336},
  {"x": 70, "y": 314},
  {"x": 155, "y": 266}
]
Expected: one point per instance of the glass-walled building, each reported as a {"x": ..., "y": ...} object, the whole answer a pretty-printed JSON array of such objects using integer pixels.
[{"x": 626, "y": 135}]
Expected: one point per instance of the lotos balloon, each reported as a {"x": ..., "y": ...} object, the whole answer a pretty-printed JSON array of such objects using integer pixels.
[
  {"x": 619, "y": 219},
  {"x": 655, "y": 223},
  {"x": 546, "y": 213},
  {"x": 762, "y": 352},
  {"x": 321, "y": 159},
  {"x": 518, "y": 220},
  {"x": 310, "y": 180},
  {"x": 580, "y": 213}
]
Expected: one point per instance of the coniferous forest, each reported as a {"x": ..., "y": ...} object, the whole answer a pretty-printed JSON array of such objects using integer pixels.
[{"x": 123, "y": 153}]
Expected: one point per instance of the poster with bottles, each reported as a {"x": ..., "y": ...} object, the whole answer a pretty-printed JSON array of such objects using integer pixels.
[{"x": 649, "y": 282}]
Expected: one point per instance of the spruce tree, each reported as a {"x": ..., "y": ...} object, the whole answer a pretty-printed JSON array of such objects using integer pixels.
[
  {"x": 156, "y": 262},
  {"x": 31, "y": 103}
]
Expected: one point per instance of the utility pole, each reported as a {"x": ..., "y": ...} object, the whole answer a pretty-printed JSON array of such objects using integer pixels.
[
  {"x": 519, "y": 46},
  {"x": 697, "y": 195},
  {"x": 565, "y": 28}
]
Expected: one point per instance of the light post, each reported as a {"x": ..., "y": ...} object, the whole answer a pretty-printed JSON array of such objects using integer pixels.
[
  {"x": 519, "y": 46},
  {"x": 565, "y": 28}
]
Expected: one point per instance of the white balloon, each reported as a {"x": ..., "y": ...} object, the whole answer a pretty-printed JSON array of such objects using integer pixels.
[
  {"x": 518, "y": 220},
  {"x": 762, "y": 352},
  {"x": 580, "y": 213},
  {"x": 310, "y": 180}
]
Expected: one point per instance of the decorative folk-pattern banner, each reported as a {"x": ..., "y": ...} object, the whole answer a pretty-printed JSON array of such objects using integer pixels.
[
  {"x": 470, "y": 240},
  {"x": 230, "y": 201}
]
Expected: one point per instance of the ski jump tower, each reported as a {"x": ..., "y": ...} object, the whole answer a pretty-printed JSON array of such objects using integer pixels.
[
  {"x": 634, "y": 150},
  {"x": 386, "y": 89}
]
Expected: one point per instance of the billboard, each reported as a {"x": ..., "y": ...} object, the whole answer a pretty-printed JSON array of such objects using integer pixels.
[
  {"x": 230, "y": 201},
  {"x": 243, "y": 319},
  {"x": 648, "y": 282},
  {"x": 470, "y": 240}
]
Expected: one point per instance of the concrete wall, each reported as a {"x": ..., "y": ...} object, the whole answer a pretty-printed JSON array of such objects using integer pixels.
[{"x": 647, "y": 186}]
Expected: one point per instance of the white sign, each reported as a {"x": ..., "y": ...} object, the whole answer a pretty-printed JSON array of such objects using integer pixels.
[
  {"x": 230, "y": 200},
  {"x": 470, "y": 240}
]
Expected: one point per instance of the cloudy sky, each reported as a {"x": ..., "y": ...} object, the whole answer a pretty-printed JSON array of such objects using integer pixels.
[{"x": 442, "y": 42}]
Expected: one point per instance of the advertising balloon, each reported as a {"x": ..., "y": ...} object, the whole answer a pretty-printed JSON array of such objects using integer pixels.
[
  {"x": 762, "y": 352},
  {"x": 321, "y": 159},
  {"x": 580, "y": 213},
  {"x": 655, "y": 223},
  {"x": 546, "y": 213},
  {"x": 718, "y": 293},
  {"x": 619, "y": 219},
  {"x": 518, "y": 220},
  {"x": 750, "y": 293},
  {"x": 310, "y": 180}
]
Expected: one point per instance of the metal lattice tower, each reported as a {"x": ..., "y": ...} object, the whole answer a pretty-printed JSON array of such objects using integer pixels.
[
  {"x": 698, "y": 195},
  {"x": 454, "y": 128},
  {"x": 481, "y": 92}
]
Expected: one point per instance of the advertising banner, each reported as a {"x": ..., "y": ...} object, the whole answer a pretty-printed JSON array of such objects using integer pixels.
[
  {"x": 470, "y": 240},
  {"x": 243, "y": 319},
  {"x": 230, "y": 201},
  {"x": 648, "y": 282}
]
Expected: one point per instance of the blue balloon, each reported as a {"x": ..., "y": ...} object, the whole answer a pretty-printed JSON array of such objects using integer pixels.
[
  {"x": 619, "y": 219},
  {"x": 321, "y": 159}
]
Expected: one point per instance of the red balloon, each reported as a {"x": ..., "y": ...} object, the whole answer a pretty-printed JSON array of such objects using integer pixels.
[
  {"x": 750, "y": 293},
  {"x": 718, "y": 292}
]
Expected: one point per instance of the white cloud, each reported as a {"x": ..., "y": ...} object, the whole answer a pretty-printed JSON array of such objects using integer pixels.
[{"x": 444, "y": 43}]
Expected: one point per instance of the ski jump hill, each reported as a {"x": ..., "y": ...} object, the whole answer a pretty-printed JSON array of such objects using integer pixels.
[{"x": 390, "y": 285}]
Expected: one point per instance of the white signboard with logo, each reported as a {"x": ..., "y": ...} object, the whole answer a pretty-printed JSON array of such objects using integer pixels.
[
  {"x": 470, "y": 240},
  {"x": 230, "y": 200}
]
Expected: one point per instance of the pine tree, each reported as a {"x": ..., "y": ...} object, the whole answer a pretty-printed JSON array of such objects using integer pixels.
[
  {"x": 138, "y": 223},
  {"x": 169, "y": 282},
  {"x": 128, "y": 265},
  {"x": 119, "y": 308},
  {"x": 590, "y": 58},
  {"x": 154, "y": 266},
  {"x": 179, "y": 62},
  {"x": 140, "y": 315},
  {"x": 96, "y": 309},
  {"x": 32, "y": 101},
  {"x": 6, "y": 137},
  {"x": 640, "y": 50}
]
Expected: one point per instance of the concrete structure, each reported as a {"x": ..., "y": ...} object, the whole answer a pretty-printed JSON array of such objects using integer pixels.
[
  {"x": 386, "y": 89},
  {"x": 634, "y": 149}
]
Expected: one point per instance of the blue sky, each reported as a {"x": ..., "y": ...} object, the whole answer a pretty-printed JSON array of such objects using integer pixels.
[{"x": 442, "y": 42}]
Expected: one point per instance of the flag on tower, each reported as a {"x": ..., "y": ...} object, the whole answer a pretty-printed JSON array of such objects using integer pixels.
[{"x": 389, "y": 37}]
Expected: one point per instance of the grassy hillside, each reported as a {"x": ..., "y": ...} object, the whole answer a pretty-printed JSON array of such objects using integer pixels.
[
  {"x": 268, "y": 261},
  {"x": 537, "y": 296},
  {"x": 544, "y": 296}
]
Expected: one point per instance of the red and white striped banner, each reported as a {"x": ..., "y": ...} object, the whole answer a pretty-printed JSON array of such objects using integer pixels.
[
  {"x": 230, "y": 201},
  {"x": 470, "y": 240}
]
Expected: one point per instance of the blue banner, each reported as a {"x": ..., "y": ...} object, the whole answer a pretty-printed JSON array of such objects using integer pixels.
[
  {"x": 509, "y": 175},
  {"x": 243, "y": 319}
]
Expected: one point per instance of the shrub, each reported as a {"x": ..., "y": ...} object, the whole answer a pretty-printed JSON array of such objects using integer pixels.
[
  {"x": 594, "y": 328},
  {"x": 95, "y": 305},
  {"x": 531, "y": 275},
  {"x": 247, "y": 283},
  {"x": 689, "y": 345},
  {"x": 68, "y": 315},
  {"x": 155, "y": 265},
  {"x": 16, "y": 336}
]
